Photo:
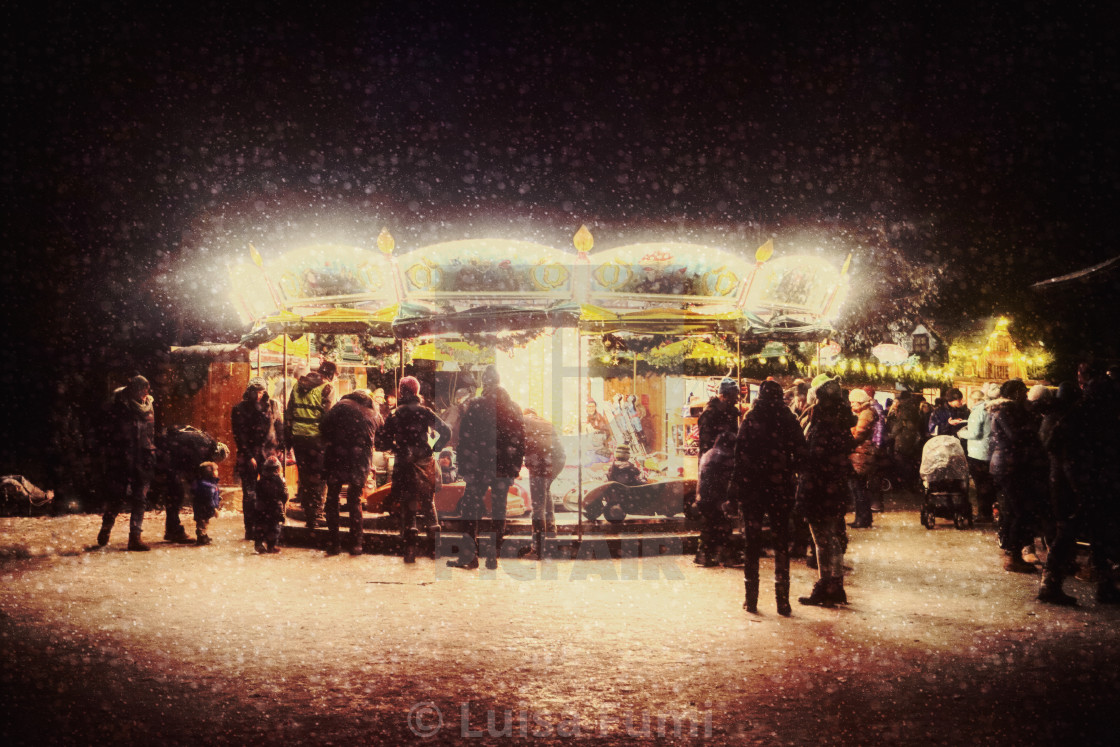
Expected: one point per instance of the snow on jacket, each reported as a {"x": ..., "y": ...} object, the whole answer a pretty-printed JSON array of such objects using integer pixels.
[
  {"x": 258, "y": 429},
  {"x": 717, "y": 467},
  {"x": 272, "y": 495},
  {"x": 491, "y": 437},
  {"x": 718, "y": 417},
  {"x": 131, "y": 432},
  {"x": 544, "y": 452},
  {"x": 406, "y": 432},
  {"x": 822, "y": 490},
  {"x": 863, "y": 432},
  {"x": 206, "y": 498},
  {"x": 1015, "y": 445},
  {"x": 769, "y": 447},
  {"x": 349, "y": 430}
]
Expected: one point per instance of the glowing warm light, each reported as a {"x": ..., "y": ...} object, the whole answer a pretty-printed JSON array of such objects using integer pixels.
[
  {"x": 764, "y": 252},
  {"x": 385, "y": 242},
  {"x": 583, "y": 240},
  {"x": 782, "y": 359},
  {"x": 257, "y": 259}
]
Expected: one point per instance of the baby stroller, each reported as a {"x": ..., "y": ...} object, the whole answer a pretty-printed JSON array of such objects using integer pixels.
[{"x": 944, "y": 473}]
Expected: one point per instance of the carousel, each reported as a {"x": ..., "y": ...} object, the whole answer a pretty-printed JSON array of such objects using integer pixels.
[{"x": 445, "y": 311}]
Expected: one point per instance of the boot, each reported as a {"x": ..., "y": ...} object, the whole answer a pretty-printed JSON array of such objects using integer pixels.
[
  {"x": 819, "y": 597},
  {"x": 1050, "y": 592},
  {"x": 434, "y": 540},
  {"x": 472, "y": 564},
  {"x": 135, "y": 544},
  {"x": 750, "y": 604},
  {"x": 1016, "y": 564},
  {"x": 333, "y": 548},
  {"x": 781, "y": 597},
  {"x": 410, "y": 538},
  {"x": 103, "y": 535},
  {"x": 203, "y": 540},
  {"x": 835, "y": 591},
  {"x": 536, "y": 551},
  {"x": 499, "y": 535},
  {"x": 177, "y": 535},
  {"x": 259, "y": 548}
]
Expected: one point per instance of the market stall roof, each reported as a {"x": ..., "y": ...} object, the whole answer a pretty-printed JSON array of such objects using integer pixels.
[{"x": 211, "y": 352}]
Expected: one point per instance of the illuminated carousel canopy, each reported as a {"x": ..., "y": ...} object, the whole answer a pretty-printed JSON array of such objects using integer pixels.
[{"x": 490, "y": 285}]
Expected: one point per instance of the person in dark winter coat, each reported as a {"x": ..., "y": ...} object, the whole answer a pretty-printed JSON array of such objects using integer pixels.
[
  {"x": 545, "y": 458},
  {"x": 309, "y": 401},
  {"x": 622, "y": 470},
  {"x": 271, "y": 496},
  {"x": 768, "y": 450},
  {"x": 1086, "y": 442},
  {"x": 349, "y": 430},
  {"x": 206, "y": 500},
  {"x": 258, "y": 434},
  {"x": 822, "y": 490},
  {"x": 950, "y": 419},
  {"x": 416, "y": 476},
  {"x": 721, "y": 415},
  {"x": 491, "y": 453},
  {"x": 130, "y": 455},
  {"x": 904, "y": 432},
  {"x": 179, "y": 451},
  {"x": 1016, "y": 465},
  {"x": 716, "y": 468}
]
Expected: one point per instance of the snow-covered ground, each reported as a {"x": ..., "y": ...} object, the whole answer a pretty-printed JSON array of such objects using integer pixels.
[{"x": 217, "y": 644}]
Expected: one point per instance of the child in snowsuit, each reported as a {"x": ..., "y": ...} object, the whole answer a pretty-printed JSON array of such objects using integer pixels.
[
  {"x": 272, "y": 496},
  {"x": 447, "y": 467},
  {"x": 622, "y": 470},
  {"x": 206, "y": 498}
]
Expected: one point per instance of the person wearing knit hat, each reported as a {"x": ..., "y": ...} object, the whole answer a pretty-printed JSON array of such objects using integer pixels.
[
  {"x": 409, "y": 387},
  {"x": 622, "y": 470},
  {"x": 864, "y": 458},
  {"x": 258, "y": 434},
  {"x": 416, "y": 474}
]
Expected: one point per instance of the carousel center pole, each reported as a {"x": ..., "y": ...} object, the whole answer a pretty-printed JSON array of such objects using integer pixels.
[{"x": 579, "y": 434}]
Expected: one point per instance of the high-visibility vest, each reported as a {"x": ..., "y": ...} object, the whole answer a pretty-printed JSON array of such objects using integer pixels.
[{"x": 307, "y": 411}]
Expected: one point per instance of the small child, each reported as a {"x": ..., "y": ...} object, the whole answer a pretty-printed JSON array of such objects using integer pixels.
[
  {"x": 207, "y": 500},
  {"x": 622, "y": 470},
  {"x": 447, "y": 467},
  {"x": 272, "y": 496}
]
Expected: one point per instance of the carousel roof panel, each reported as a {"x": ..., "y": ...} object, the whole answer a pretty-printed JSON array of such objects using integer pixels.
[
  {"x": 486, "y": 266},
  {"x": 334, "y": 271},
  {"x": 668, "y": 268}
]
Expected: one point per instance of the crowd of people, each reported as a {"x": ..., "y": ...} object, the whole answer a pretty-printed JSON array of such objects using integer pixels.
[{"x": 1042, "y": 462}]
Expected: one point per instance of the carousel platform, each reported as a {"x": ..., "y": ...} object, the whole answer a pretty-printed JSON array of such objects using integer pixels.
[{"x": 635, "y": 536}]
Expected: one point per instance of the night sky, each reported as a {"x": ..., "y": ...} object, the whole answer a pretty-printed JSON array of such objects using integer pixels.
[{"x": 146, "y": 147}]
